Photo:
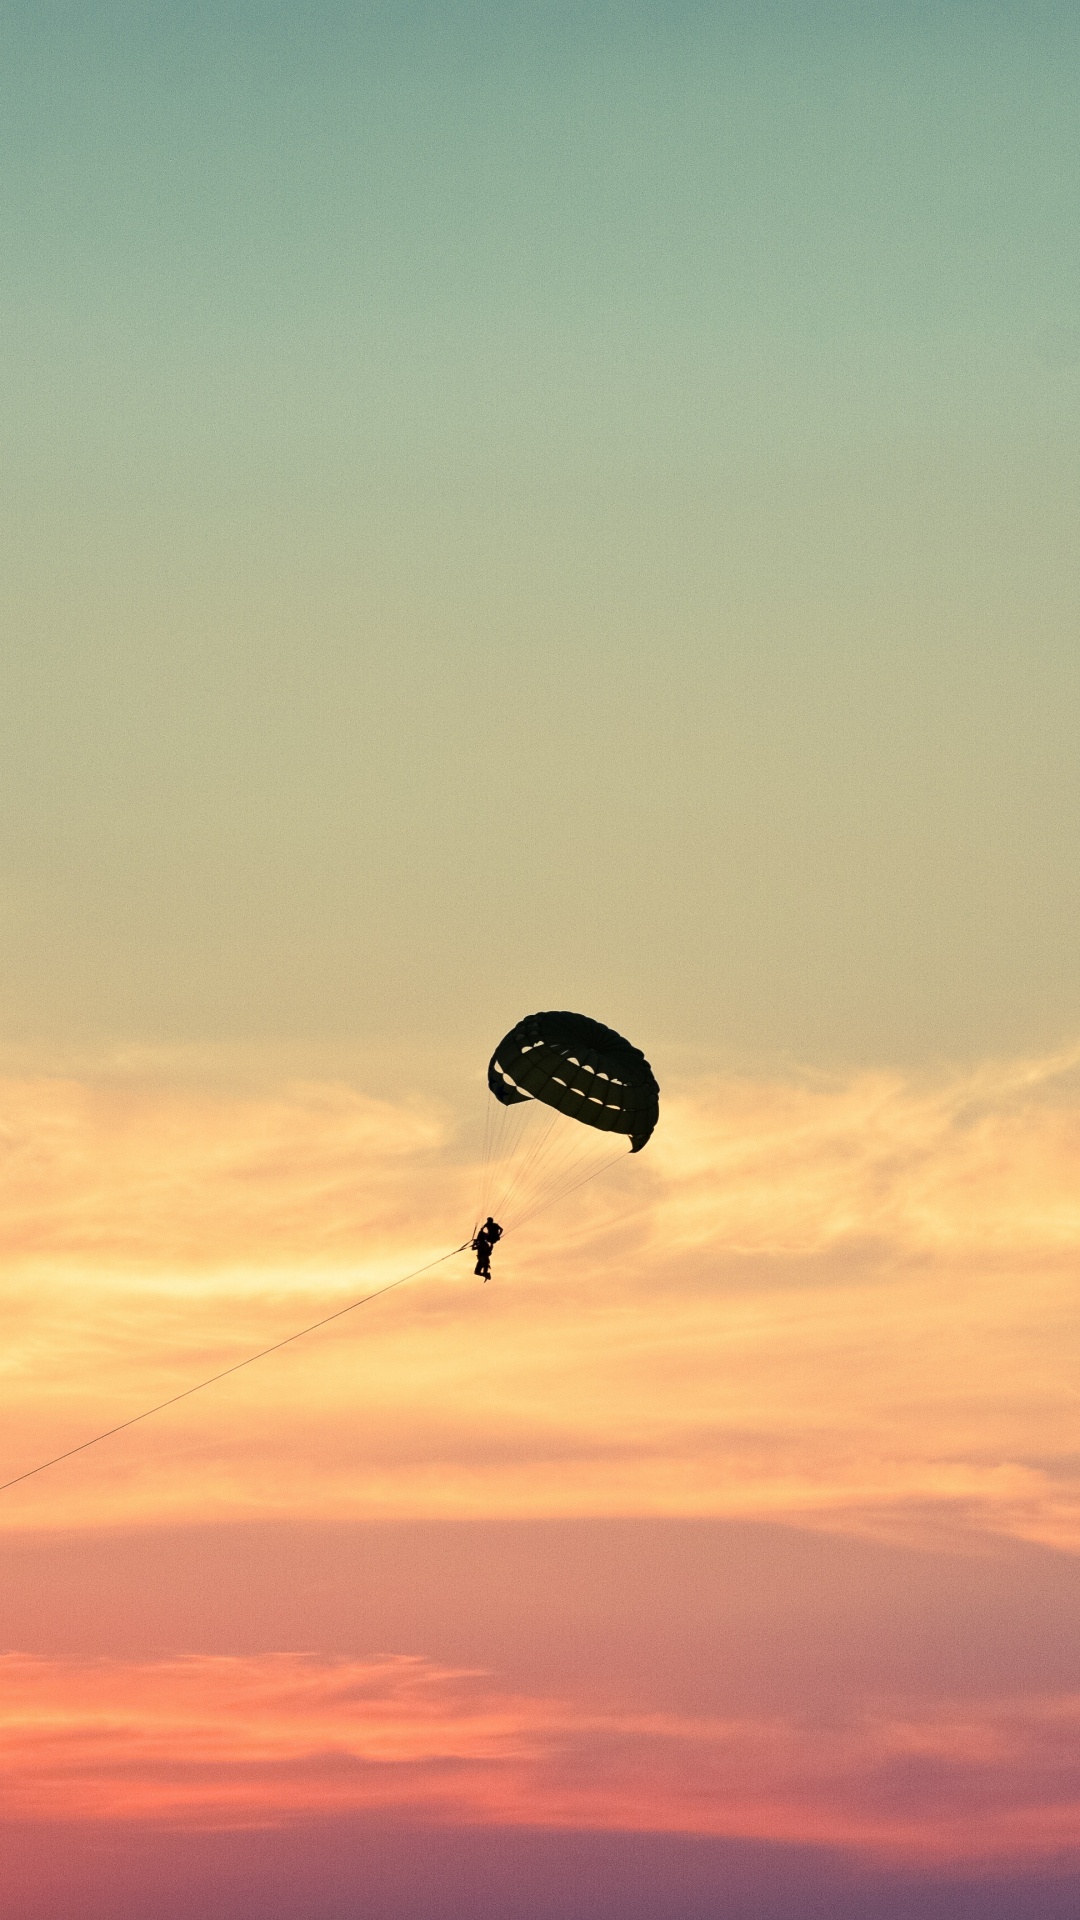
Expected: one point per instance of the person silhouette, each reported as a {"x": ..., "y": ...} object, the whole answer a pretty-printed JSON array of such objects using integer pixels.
[{"x": 485, "y": 1240}]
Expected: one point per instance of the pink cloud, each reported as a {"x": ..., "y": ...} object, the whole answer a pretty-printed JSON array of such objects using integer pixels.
[{"x": 210, "y": 1742}]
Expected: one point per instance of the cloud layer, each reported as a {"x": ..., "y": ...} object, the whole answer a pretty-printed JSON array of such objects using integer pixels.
[
  {"x": 846, "y": 1300},
  {"x": 255, "y": 1741},
  {"x": 846, "y": 1307},
  {"x": 840, "y": 1300}
]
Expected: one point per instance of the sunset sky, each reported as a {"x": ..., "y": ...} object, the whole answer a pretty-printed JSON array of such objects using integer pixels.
[{"x": 513, "y": 506}]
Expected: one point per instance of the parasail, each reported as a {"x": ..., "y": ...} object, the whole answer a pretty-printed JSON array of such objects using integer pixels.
[
  {"x": 575, "y": 1079},
  {"x": 580, "y": 1068}
]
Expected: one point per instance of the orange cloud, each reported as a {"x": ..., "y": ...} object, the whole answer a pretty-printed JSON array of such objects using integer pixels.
[
  {"x": 985, "y": 1161},
  {"x": 172, "y": 1178},
  {"x": 244, "y": 1742},
  {"x": 850, "y": 1302}
]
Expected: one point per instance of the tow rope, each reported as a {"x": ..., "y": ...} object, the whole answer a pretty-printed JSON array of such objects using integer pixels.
[{"x": 237, "y": 1367}]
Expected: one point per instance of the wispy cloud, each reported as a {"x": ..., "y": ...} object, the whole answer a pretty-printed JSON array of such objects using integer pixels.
[
  {"x": 984, "y": 1162},
  {"x": 167, "y": 1178},
  {"x": 210, "y": 1742},
  {"x": 849, "y": 1301}
]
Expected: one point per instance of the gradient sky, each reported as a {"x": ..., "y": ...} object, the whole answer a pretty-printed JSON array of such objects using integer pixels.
[
  {"x": 520, "y": 504},
  {"x": 513, "y": 506}
]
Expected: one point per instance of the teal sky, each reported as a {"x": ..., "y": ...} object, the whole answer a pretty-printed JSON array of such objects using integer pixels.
[{"x": 524, "y": 505}]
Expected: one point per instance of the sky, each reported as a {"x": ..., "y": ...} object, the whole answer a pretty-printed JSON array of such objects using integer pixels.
[{"x": 514, "y": 506}]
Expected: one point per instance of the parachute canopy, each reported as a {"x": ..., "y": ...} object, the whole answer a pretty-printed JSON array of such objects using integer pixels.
[{"x": 580, "y": 1068}]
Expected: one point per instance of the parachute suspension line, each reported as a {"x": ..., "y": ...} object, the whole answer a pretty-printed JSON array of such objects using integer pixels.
[
  {"x": 237, "y": 1367},
  {"x": 549, "y": 1160},
  {"x": 554, "y": 1147},
  {"x": 485, "y": 1164},
  {"x": 563, "y": 1193},
  {"x": 546, "y": 1157},
  {"x": 564, "y": 1151},
  {"x": 516, "y": 1144},
  {"x": 504, "y": 1124},
  {"x": 523, "y": 1167},
  {"x": 512, "y": 1133}
]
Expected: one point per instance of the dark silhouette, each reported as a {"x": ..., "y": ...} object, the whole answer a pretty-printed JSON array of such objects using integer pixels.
[
  {"x": 482, "y": 1245},
  {"x": 582, "y": 1069}
]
